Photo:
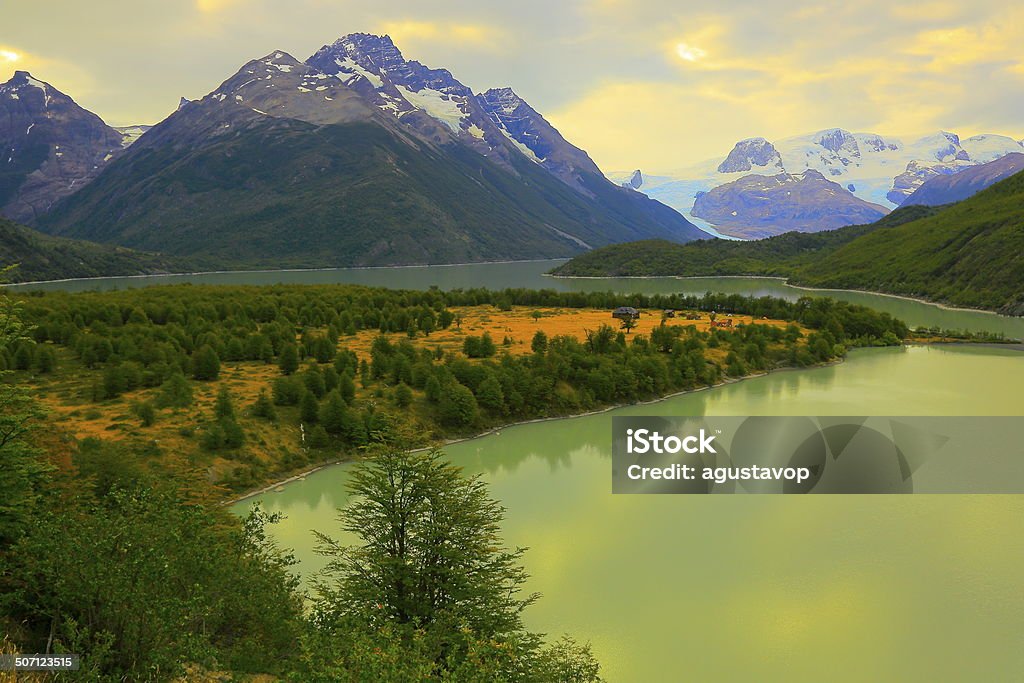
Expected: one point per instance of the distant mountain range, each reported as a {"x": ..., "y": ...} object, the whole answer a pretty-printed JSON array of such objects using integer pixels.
[
  {"x": 879, "y": 170},
  {"x": 967, "y": 254},
  {"x": 356, "y": 156}
]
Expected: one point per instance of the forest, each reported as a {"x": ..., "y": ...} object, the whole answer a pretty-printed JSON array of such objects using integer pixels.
[
  {"x": 116, "y": 545},
  {"x": 254, "y": 383}
]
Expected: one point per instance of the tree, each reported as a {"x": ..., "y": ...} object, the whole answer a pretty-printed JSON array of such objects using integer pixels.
[
  {"x": 175, "y": 392},
  {"x": 628, "y": 324},
  {"x": 264, "y": 407},
  {"x": 490, "y": 395},
  {"x": 24, "y": 356},
  {"x": 309, "y": 407},
  {"x": 432, "y": 389},
  {"x": 487, "y": 347},
  {"x": 289, "y": 360},
  {"x": 333, "y": 413},
  {"x": 403, "y": 395},
  {"x": 430, "y": 592},
  {"x": 430, "y": 555},
  {"x": 224, "y": 408},
  {"x": 317, "y": 437},
  {"x": 206, "y": 364},
  {"x": 347, "y": 387},
  {"x": 287, "y": 391},
  {"x": 46, "y": 360},
  {"x": 458, "y": 406},
  {"x": 540, "y": 342},
  {"x": 314, "y": 381}
]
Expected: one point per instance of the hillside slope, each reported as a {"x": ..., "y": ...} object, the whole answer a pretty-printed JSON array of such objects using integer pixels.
[
  {"x": 781, "y": 255},
  {"x": 42, "y": 257},
  {"x": 970, "y": 254}
]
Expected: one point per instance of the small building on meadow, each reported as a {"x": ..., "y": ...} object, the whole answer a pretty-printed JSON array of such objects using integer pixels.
[{"x": 626, "y": 313}]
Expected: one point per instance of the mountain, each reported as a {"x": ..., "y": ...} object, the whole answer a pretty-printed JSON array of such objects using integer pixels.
[
  {"x": 49, "y": 146},
  {"x": 357, "y": 157},
  {"x": 753, "y": 154},
  {"x": 947, "y": 189},
  {"x": 42, "y": 257},
  {"x": 879, "y": 169},
  {"x": 966, "y": 254},
  {"x": 760, "y": 206}
]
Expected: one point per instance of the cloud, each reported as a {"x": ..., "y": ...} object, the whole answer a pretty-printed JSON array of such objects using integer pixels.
[
  {"x": 214, "y": 6},
  {"x": 415, "y": 32}
]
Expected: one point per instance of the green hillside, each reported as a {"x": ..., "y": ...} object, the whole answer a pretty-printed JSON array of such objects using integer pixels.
[
  {"x": 968, "y": 254},
  {"x": 778, "y": 256},
  {"x": 42, "y": 257}
]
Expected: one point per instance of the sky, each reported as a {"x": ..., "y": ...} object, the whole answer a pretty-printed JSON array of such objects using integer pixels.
[{"x": 651, "y": 84}]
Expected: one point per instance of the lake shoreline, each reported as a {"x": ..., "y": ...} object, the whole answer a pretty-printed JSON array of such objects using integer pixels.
[
  {"x": 494, "y": 430},
  {"x": 16, "y": 285},
  {"x": 785, "y": 281}
]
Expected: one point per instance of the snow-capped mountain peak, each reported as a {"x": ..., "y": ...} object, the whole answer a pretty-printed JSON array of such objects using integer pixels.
[{"x": 754, "y": 155}]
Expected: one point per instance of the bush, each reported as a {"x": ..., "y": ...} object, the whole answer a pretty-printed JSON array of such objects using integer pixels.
[{"x": 146, "y": 413}]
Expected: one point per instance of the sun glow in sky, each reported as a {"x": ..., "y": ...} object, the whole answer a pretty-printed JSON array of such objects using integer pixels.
[
  {"x": 650, "y": 84},
  {"x": 690, "y": 53}
]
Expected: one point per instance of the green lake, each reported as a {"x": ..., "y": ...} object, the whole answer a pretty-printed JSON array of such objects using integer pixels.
[{"x": 758, "y": 588}]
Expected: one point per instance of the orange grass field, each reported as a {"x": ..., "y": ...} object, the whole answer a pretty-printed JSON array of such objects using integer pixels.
[{"x": 519, "y": 325}]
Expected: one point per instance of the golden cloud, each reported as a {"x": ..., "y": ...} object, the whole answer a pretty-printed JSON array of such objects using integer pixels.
[
  {"x": 213, "y": 6},
  {"x": 413, "y": 31}
]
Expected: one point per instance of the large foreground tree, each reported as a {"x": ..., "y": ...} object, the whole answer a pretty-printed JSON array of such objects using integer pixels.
[{"x": 431, "y": 572}]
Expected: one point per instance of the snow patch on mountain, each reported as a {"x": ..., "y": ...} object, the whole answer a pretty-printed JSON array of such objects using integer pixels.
[{"x": 446, "y": 109}]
